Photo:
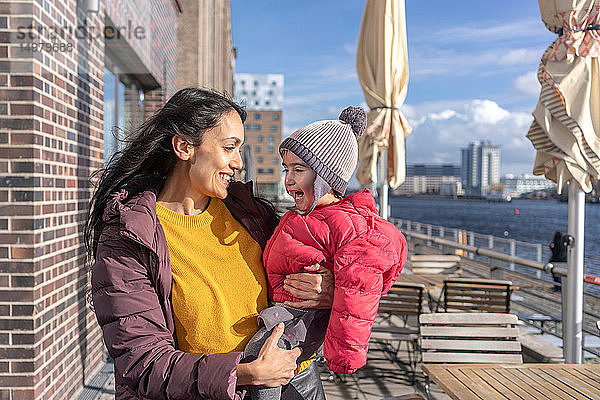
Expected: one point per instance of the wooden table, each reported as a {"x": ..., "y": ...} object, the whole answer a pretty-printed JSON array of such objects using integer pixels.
[
  {"x": 429, "y": 280},
  {"x": 517, "y": 381}
]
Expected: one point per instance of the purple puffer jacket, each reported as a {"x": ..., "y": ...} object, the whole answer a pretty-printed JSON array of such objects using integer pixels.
[{"x": 131, "y": 292}]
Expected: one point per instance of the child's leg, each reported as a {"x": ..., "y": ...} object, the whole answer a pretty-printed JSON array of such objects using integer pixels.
[
  {"x": 251, "y": 352},
  {"x": 265, "y": 393}
]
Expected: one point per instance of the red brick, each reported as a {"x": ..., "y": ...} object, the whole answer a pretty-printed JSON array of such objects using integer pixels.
[
  {"x": 16, "y": 380},
  {"x": 22, "y": 252},
  {"x": 23, "y": 394},
  {"x": 21, "y": 366}
]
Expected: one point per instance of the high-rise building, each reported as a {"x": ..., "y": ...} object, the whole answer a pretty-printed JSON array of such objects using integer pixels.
[
  {"x": 263, "y": 97},
  {"x": 480, "y": 168}
]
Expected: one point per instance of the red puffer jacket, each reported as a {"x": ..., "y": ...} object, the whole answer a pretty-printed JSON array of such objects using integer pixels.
[{"x": 366, "y": 254}]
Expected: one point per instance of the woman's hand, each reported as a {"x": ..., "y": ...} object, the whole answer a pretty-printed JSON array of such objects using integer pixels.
[
  {"x": 273, "y": 367},
  {"x": 315, "y": 287}
]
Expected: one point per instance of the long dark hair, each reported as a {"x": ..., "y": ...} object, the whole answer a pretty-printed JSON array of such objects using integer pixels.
[{"x": 148, "y": 157}]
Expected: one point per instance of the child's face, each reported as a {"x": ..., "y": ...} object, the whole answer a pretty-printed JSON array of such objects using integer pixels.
[{"x": 299, "y": 180}]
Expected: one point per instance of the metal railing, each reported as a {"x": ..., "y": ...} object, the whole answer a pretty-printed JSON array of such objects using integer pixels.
[{"x": 501, "y": 254}]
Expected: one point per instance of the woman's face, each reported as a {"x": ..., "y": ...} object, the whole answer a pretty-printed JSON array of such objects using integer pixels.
[
  {"x": 216, "y": 159},
  {"x": 299, "y": 180}
]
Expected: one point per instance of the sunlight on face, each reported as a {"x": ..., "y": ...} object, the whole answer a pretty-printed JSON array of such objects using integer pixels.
[
  {"x": 299, "y": 180},
  {"x": 218, "y": 157}
]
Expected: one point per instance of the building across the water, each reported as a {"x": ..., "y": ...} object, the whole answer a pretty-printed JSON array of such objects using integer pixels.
[
  {"x": 443, "y": 179},
  {"x": 480, "y": 168},
  {"x": 526, "y": 183}
]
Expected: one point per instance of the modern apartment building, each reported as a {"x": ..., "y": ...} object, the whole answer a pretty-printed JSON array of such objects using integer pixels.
[
  {"x": 263, "y": 136},
  {"x": 259, "y": 91},
  {"x": 526, "y": 183},
  {"x": 263, "y": 97},
  {"x": 480, "y": 168},
  {"x": 74, "y": 76},
  {"x": 429, "y": 179}
]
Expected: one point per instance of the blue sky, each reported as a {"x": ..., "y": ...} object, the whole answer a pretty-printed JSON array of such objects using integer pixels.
[{"x": 472, "y": 67}]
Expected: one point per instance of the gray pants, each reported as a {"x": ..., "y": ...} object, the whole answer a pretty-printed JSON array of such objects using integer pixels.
[{"x": 304, "y": 328}]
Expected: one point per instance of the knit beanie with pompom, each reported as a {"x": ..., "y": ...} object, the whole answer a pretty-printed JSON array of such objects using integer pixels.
[{"x": 330, "y": 148}]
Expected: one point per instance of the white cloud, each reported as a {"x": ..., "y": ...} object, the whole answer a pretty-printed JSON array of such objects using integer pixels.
[
  {"x": 486, "y": 112},
  {"x": 486, "y": 31},
  {"x": 449, "y": 62},
  {"x": 447, "y": 127},
  {"x": 338, "y": 73},
  {"x": 527, "y": 84},
  {"x": 446, "y": 114},
  {"x": 520, "y": 56},
  {"x": 349, "y": 48}
]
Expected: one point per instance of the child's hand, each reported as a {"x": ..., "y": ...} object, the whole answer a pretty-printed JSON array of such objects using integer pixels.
[{"x": 314, "y": 287}]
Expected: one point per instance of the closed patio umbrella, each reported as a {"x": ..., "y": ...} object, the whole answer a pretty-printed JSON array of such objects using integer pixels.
[
  {"x": 382, "y": 67},
  {"x": 566, "y": 132}
]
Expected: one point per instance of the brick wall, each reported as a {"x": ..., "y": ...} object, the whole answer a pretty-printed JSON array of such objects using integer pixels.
[{"x": 50, "y": 139}]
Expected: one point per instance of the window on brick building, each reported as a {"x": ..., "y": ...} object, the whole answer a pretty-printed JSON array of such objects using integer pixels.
[
  {"x": 257, "y": 149},
  {"x": 276, "y": 117},
  {"x": 123, "y": 108},
  {"x": 259, "y": 160},
  {"x": 260, "y": 138},
  {"x": 257, "y": 116}
]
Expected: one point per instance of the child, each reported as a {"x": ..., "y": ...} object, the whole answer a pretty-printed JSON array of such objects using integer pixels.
[{"x": 344, "y": 234}]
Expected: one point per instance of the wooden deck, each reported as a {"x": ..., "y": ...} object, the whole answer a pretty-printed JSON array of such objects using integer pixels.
[
  {"x": 384, "y": 377},
  {"x": 381, "y": 378}
]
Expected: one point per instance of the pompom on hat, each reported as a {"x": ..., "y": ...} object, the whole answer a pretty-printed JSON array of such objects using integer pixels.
[{"x": 330, "y": 148}]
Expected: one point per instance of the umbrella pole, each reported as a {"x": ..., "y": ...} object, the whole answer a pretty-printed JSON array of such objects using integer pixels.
[
  {"x": 573, "y": 337},
  {"x": 383, "y": 189}
]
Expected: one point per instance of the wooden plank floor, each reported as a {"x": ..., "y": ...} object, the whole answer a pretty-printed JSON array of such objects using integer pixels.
[{"x": 381, "y": 378}]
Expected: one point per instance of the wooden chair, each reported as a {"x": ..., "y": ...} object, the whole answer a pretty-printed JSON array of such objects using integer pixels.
[
  {"x": 466, "y": 294},
  {"x": 404, "y": 300},
  {"x": 434, "y": 264},
  {"x": 469, "y": 338}
]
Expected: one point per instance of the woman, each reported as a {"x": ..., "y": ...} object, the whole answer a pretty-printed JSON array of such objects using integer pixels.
[{"x": 177, "y": 278}]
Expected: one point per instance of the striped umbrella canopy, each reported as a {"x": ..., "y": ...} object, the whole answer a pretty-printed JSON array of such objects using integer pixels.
[
  {"x": 566, "y": 127},
  {"x": 382, "y": 68},
  {"x": 566, "y": 134}
]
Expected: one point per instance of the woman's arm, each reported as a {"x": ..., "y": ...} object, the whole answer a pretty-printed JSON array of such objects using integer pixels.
[
  {"x": 315, "y": 287},
  {"x": 135, "y": 332},
  {"x": 273, "y": 366},
  {"x": 136, "y": 335}
]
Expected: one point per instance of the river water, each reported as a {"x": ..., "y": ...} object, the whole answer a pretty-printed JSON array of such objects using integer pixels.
[{"x": 532, "y": 221}]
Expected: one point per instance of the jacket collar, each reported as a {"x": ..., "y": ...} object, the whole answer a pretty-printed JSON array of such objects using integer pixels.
[
  {"x": 135, "y": 211},
  {"x": 361, "y": 202}
]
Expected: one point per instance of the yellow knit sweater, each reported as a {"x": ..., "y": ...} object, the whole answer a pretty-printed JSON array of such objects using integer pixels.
[{"x": 219, "y": 283}]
